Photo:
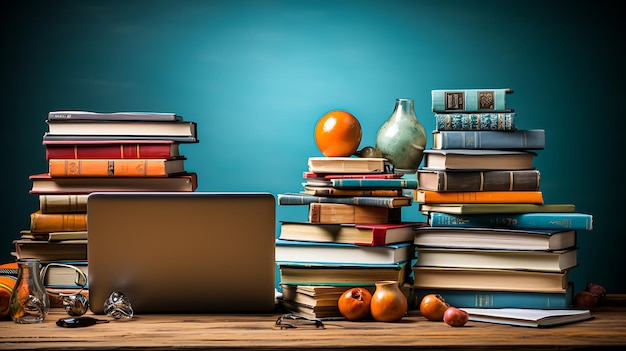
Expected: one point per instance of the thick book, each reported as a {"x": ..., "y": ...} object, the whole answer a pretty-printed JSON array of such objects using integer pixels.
[
  {"x": 360, "y": 234},
  {"x": 547, "y": 261},
  {"x": 468, "y": 159},
  {"x": 43, "y": 183},
  {"x": 512, "y": 180},
  {"x": 328, "y": 213},
  {"x": 330, "y": 191},
  {"x": 46, "y": 251},
  {"x": 379, "y": 201},
  {"x": 476, "y": 121},
  {"x": 495, "y": 238},
  {"x": 502, "y": 299},
  {"x": 125, "y": 128},
  {"x": 489, "y": 279},
  {"x": 495, "y": 208},
  {"x": 530, "y": 220},
  {"x": 112, "y": 149},
  {"x": 485, "y": 197},
  {"x": 327, "y": 252},
  {"x": 295, "y": 273},
  {"x": 56, "y": 222},
  {"x": 323, "y": 165},
  {"x": 64, "y": 274},
  {"x": 470, "y": 100},
  {"x": 116, "y": 167},
  {"x": 112, "y": 116},
  {"x": 62, "y": 203},
  {"x": 374, "y": 183},
  {"x": 531, "y": 139},
  {"x": 527, "y": 317}
]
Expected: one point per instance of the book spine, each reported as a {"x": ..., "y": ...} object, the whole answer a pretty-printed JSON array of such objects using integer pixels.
[
  {"x": 352, "y": 192},
  {"x": 327, "y": 213},
  {"x": 47, "y": 137},
  {"x": 112, "y": 151},
  {"x": 535, "y": 220},
  {"x": 459, "y": 197},
  {"x": 475, "y": 121},
  {"x": 62, "y": 203},
  {"x": 107, "y": 168},
  {"x": 115, "y": 116},
  {"x": 57, "y": 222},
  {"x": 374, "y": 183},
  {"x": 515, "y": 140},
  {"x": 470, "y": 100},
  {"x": 305, "y": 199},
  {"x": 522, "y": 180},
  {"x": 501, "y": 299}
]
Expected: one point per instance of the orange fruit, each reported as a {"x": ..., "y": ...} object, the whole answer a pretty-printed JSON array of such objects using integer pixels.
[
  {"x": 6, "y": 287},
  {"x": 338, "y": 133}
]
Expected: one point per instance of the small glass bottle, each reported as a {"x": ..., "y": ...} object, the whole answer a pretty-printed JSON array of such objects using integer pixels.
[{"x": 29, "y": 302}]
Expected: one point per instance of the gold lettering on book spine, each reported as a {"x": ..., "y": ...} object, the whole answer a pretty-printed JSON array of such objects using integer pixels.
[{"x": 486, "y": 100}]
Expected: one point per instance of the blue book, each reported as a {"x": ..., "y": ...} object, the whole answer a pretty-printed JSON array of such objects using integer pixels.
[
  {"x": 501, "y": 299},
  {"x": 374, "y": 183},
  {"x": 531, "y": 220},
  {"x": 475, "y": 121},
  {"x": 531, "y": 139},
  {"x": 470, "y": 100},
  {"x": 327, "y": 252}
]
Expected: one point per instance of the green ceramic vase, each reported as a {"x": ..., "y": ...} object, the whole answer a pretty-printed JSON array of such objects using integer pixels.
[{"x": 402, "y": 138}]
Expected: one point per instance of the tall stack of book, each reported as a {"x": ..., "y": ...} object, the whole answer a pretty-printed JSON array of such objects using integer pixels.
[
  {"x": 89, "y": 152},
  {"x": 354, "y": 235},
  {"x": 491, "y": 240}
]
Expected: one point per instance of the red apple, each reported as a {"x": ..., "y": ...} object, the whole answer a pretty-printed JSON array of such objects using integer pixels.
[
  {"x": 455, "y": 317},
  {"x": 354, "y": 303},
  {"x": 433, "y": 306}
]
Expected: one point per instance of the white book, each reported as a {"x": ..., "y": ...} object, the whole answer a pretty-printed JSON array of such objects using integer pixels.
[{"x": 527, "y": 317}]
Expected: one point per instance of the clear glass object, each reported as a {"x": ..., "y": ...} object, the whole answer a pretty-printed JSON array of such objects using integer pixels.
[
  {"x": 29, "y": 302},
  {"x": 402, "y": 138},
  {"x": 118, "y": 306}
]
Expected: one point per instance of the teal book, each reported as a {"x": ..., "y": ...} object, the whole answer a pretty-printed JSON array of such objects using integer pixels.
[
  {"x": 377, "y": 201},
  {"x": 532, "y": 139},
  {"x": 531, "y": 220},
  {"x": 502, "y": 299},
  {"x": 476, "y": 121},
  {"x": 374, "y": 183},
  {"x": 470, "y": 100}
]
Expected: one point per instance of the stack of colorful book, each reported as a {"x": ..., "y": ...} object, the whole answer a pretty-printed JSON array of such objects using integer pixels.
[
  {"x": 354, "y": 235},
  {"x": 491, "y": 240},
  {"x": 89, "y": 152}
]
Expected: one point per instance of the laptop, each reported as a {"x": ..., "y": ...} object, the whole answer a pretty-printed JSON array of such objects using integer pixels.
[{"x": 182, "y": 252}]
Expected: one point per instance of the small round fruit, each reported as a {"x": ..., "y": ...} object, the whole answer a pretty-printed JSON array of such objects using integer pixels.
[
  {"x": 455, "y": 317},
  {"x": 354, "y": 303},
  {"x": 433, "y": 307},
  {"x": 585, "y": 299},
  {"x": 338, "y": 134}
]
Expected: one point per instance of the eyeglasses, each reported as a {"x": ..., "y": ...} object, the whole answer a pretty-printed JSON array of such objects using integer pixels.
[{"x": 293, "y": 320}]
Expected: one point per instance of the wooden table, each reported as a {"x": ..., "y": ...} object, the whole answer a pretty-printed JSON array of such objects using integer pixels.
[{"x": 164, "y": 332}]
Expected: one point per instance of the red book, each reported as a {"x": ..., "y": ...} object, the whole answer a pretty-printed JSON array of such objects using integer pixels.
[{"x": 111, "y": 149}]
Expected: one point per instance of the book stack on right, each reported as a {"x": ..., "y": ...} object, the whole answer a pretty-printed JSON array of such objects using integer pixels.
[
  {"x": 354, "y": 235},
  {"x": 491, "y": 242},
  {"x": 91, "y": 152}
]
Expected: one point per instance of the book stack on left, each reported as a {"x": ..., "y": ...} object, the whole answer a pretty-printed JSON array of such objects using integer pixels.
[
  {"x": 491, "y": 240},
  {"x": 91, "y": 152},
  {"x": 354, "y": 235}
]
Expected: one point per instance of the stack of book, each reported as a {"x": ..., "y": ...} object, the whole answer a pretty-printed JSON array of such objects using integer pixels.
[
  {"x": 89, "y": 152},
  {"x": 354, "y": 235},
  {"x": 491, "y": 240}
]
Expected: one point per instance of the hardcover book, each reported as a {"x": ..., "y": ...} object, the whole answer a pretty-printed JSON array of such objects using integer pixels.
[
  {"x": 489, "y": 279},
  {"x": 475, "y": 121},
  {"x": 495, "y": 238},
  {"x": 46, "y": 251},
  {"x": 374, "y": 183},
  {"x": 122, "y": 128},
  {"x": 359, "y": 234},
  {"x": 460, "y": 197},
  {"x": 328, "y": 213},
  {"x": 112, "y": 149},
  {"x": 116, "y": 167},
  {"x": 530, "y": 220},
  {"x": 322, "y": 165},
  {"x": 330, "y": 191},
  {"x": 73, "y": 138},
  {"x": 56, "y": 222},
  {"x": 62, "y": 203},
  {"x": 327, "y": 252},
  {"x": 532, "y": 139},
  {"x": 45, "y": 184},
  {"x": 495, "y": 208},
  {"x": 346, "y": 275},
  {"x": 512, "y": 180},
  {"x": 112, "y": 116},
  {"x": 379, "y": 201},
  {"x": 63, "y": 274},
  {"x": 470, "y": 100},
  {"x": 467, "y": 159}
]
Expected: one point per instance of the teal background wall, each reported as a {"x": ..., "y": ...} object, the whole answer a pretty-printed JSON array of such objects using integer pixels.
[{"x": 257, "y": 75}]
